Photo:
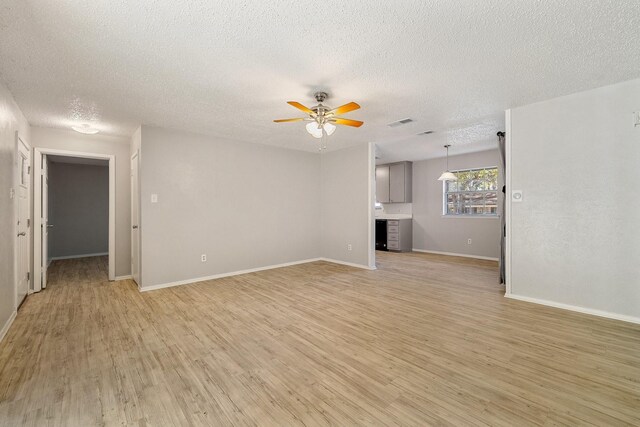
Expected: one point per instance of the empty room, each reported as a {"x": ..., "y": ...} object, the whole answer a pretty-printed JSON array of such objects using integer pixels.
[{"x": 288, "y": 213}]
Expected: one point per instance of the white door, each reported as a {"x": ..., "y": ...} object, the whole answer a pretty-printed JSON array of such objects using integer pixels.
[
  {"x": 24, "y": 223},
  {"x": 135, "y": 224},
  {"x": 45, "y": 219}
]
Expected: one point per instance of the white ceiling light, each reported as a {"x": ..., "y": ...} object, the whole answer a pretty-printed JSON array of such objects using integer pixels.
[
  {"x": 86, "y": 129},
  {"x": 314, "y": 129},
  {"x": 329, "y": 128},
  {"x": 447, "y": 176}
]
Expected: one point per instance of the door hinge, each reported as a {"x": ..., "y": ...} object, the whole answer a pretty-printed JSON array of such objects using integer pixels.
[
  {"x": 28, "y": 222},
  {"x": 28, "y": 275},
  {"x": 28, "y": 170}
]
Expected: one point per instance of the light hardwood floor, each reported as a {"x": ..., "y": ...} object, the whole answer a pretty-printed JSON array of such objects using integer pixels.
[{"x": 424, "y": 340}]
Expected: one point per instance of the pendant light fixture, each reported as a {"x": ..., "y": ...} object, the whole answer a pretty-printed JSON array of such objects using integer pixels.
[{"x": 447, "y": 176}]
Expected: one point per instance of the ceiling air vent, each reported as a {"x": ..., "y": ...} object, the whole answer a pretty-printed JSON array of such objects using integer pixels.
[
  {"x": 400, "y": 122},
  {"x": 426, "y": 132}
]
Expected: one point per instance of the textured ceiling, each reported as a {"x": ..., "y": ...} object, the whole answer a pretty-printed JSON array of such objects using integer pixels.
[{"x": 226, "y": 68}]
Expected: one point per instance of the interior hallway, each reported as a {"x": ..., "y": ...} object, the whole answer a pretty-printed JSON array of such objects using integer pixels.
[
  {"x": 424, "y": 340},
  {"x": 78, "y": 270}
]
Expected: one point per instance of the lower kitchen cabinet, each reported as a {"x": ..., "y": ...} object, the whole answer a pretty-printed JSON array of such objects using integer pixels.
[{"x": 400, "y": 235}]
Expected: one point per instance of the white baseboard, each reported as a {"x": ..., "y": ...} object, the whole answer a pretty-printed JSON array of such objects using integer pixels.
[
  {"x": 7, "y": 325},
  {"x": 78, "y": 256},
  {"x": 126, "y": 277},
  {"x": 251, "y": 270},
  {"x": 220, "y": 276},
  {"x": 593, "y": 312},
  {"x": 350, "y": 264},
  {"x": 454, "y": 254}
]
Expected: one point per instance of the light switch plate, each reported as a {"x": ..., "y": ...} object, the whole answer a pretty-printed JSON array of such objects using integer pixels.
[
  {"x": 636, "y": 118},
  {"x": 154, "y": 198},
  {"x": 516, "y": 196}
]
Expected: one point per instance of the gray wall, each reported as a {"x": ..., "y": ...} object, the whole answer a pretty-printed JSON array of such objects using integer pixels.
[
  {"x": 69, "y": 140},
  {"x": 434, "y": 232},
  {"x": 78, "y": 209},
  {"x": 575, "y": 234},
  {"x": 11, "y": 121},
  {"x": 244, "y": 205},
  {"x": 347, "y": 205}
]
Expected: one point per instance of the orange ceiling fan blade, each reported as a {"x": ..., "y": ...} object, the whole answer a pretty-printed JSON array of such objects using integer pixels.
[
  {"x": 347, "y": 122},
  {"x": 300, "y": 107},
  {"x": 344, "y": 108},
  {"x": 299, "y": 119}
]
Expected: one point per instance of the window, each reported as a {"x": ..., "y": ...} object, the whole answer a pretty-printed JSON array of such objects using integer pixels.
[
  {"x": 24, "y": 170},
  {"x": 474, "y": 193}
]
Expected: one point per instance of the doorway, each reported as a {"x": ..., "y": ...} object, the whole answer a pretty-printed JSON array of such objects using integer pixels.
[
  {"x": 43, "y": 159},
  {"x": 23, "y": 221},
  {"x": 78, "y": 218}
]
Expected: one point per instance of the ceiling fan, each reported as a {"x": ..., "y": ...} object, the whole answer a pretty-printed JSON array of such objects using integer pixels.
[{"x": 322, "y": 119}]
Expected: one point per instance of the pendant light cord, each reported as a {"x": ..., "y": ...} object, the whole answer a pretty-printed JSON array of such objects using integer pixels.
[
  {"x": 447, "y": 147},
  {"x": 447, "y": 158}
]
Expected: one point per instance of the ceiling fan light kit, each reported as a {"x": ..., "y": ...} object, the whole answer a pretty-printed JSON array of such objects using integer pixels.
[
  {"x": 314, "y": 129},
  {"x": 323, "y": 119},
  {"x": 329, "y": 128}
]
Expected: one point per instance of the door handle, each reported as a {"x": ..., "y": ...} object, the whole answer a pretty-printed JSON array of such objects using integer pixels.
[
  {"x": 134, "y": 227},
  {"x": 49, "y": 225},
  {"x": 24, "y": 233}
]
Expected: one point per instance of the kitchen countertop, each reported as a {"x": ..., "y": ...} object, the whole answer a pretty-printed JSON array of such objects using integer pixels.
[{"x": 394, "y": 216}]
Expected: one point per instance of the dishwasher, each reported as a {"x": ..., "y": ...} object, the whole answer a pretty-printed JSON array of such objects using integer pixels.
[{"x": 381, "y": 234}]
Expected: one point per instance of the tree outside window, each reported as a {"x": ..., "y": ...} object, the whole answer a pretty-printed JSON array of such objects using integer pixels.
[{"x": 475, "y": 193}]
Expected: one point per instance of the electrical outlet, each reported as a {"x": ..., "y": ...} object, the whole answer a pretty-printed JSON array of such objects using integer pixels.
[
  {"x": 349, "y": 247},
  {"x": 468, "y": 241},
  {"x": 203, "y": 257}
]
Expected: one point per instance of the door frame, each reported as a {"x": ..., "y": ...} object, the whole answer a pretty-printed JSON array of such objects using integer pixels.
[
  {"x": 507, "y": 202},
  {"x": 135, "y": 199},
  {"x": 371, "y": 190},
  {"x": 37, "y": 206},
  {"x": 16, "y": 180}
]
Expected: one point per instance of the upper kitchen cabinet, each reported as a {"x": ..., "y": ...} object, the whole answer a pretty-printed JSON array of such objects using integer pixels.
[
  {"x": 393, "y": 183},
  {"x": 382, "y": 184}
]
